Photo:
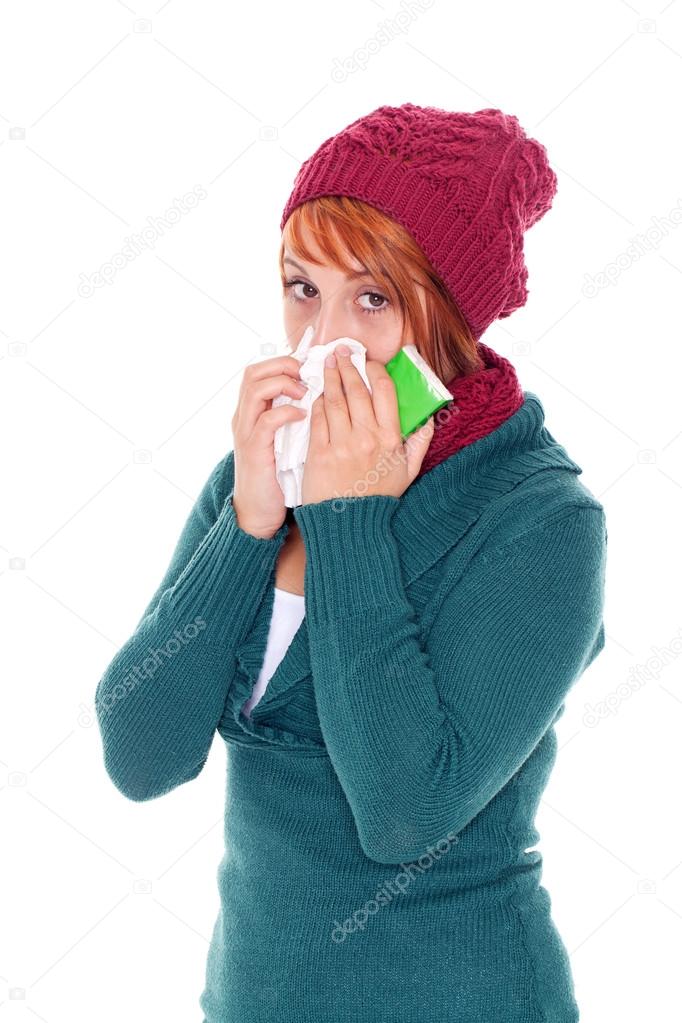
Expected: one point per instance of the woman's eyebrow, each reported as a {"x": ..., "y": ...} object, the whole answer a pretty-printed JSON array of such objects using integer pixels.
[{"x": 351, "y": 276}]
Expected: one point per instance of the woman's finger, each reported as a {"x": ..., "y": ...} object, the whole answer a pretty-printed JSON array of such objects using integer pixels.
[
  {"x": 257, "y": 397},
  {"x": 384, "y": 400},
  {"x": 335, "y": 405},
  {"x": 358, "y": 398},
  {"x": 319, "y": 429},
  {"x": 416, "y": 446}
]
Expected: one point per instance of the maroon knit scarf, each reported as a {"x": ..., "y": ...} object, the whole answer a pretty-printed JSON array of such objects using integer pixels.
[{"x": 482, "y": 401}]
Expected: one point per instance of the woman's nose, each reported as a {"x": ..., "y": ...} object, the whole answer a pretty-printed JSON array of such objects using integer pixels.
[{"x": 329, "y": 326}]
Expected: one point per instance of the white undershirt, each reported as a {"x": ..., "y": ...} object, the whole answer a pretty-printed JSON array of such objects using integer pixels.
[{"x": 288, "y": 611}]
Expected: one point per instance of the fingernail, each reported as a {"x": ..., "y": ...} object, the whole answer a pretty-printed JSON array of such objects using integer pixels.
[
  {"x": 343, "y": 350},
  {"x": 330, "y": 360}
]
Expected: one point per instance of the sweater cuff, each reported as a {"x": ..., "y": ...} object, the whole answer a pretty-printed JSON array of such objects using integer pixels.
[
  {"x": 352, "y": 560},
  {"x": 227, "y": 573}
]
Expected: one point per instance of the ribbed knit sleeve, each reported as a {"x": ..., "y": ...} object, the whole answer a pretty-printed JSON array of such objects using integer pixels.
[
  {"x": 423, "y": 731},
  {"x": 160, "y": 699}
]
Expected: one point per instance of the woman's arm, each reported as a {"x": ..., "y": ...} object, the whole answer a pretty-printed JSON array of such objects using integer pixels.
[
  {"x": 422, "y": 737},
  {"x": 161, "y": 697}
]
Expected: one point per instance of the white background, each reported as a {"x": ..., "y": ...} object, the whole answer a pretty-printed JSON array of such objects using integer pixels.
[{"x": 116, "y": 405}]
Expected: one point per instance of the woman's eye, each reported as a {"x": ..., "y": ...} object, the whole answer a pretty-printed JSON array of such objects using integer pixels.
[
  {"x": 305, "y": 294},
  {"x": 292, "y": 285},
  {"x": 372, "y": 296}
]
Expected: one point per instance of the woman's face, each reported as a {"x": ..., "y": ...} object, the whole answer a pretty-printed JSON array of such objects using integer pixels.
[{"x": 338, "y": 306}]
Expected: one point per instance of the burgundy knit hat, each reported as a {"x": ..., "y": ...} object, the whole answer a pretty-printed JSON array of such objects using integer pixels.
[{"x": 465, "y": 185}]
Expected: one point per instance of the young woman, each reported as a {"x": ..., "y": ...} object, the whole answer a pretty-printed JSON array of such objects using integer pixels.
[{"x": 386, "y": 661}]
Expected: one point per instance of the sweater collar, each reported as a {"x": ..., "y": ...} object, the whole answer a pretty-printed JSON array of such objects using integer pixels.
[{"x": 438, "y": 508}]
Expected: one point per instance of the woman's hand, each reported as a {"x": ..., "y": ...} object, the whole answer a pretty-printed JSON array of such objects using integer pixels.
[
  {"x": 258, "y": 499},
  {"x": 355, "y": 447}
]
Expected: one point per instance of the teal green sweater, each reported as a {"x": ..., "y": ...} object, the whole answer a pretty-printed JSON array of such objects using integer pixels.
[{"x": 380, "y": 801}]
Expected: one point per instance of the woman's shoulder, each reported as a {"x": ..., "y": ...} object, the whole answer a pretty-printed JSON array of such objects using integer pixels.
[{"x": 549, "y": 500}]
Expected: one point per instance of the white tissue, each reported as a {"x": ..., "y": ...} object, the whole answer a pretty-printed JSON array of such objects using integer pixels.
[{"x": 292, "y": 439}]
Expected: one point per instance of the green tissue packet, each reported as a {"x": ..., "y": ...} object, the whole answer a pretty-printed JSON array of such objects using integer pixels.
[{"x": 419, "y": 391}]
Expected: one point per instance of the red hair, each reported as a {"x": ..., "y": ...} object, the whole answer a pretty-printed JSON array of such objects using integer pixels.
[{"x": 341, "y": 225}]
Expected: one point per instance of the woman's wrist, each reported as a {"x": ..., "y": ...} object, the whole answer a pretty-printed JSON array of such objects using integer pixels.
[{"x": 253, "y": 530}]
